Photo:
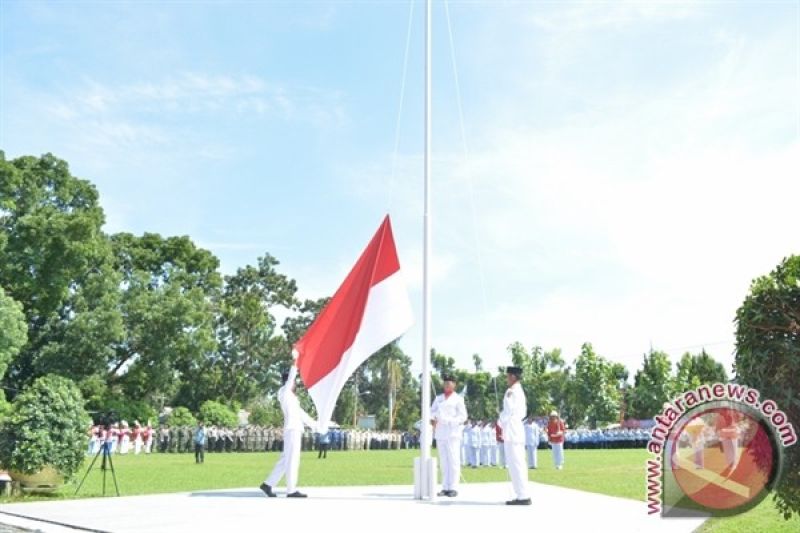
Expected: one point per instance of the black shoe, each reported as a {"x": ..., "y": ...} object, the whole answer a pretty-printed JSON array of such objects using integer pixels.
[
  {"x": 443, "y": 493},
  {"x": 452, "y": 493},
  {"x": 526, "y": 501},
  {"x": 296, "y": 494},
  {"x": 266, "y": 489}
]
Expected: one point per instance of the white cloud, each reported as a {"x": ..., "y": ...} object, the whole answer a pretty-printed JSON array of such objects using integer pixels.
[{"x": 639, "y": 218}]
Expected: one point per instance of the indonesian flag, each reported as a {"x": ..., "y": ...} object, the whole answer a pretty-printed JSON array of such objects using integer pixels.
[{"x": 369, "y": 310}]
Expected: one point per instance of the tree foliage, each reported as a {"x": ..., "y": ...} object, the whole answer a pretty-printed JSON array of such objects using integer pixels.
[
  {"x": 217, "y": 414},
  {"x": 652, "y": 385},
  {"x": 694, "y": 370},
  {"x": 768, "y": 357},
  {"x": 13, "y": 330},
  {"x": 180, "y": 417},
  {"x": 47, "y": 426}
]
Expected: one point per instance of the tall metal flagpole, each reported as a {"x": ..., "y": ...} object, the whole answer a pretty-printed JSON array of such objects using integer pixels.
[{"x": 424, "y": 481}]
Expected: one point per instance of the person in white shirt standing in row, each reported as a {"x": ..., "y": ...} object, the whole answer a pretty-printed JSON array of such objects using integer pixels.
[
  {"x": 511, "y": 421},
  {"x": 532, "y": 433},
  {"x": 448, "y": 415}
]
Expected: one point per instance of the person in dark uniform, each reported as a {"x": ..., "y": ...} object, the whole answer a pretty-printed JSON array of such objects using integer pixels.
[{"x": 323, "y": 443}]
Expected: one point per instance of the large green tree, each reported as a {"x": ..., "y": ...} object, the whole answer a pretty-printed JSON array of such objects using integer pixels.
[
  {"x": 595, "y": 390},
  {"x": 250, "y": 350},
  {"x": 652, "y": 386},
  {"x": 166, "y": 305},
  {"x": 56, "y": 262},
  {"x": 694, "y": 370},
  {"x": 768, "y": 357}
]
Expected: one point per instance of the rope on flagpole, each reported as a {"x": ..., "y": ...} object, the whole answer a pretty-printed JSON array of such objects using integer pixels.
[
  {"x": 400, "y": 107},
  {"x": 468, "y": 166}
]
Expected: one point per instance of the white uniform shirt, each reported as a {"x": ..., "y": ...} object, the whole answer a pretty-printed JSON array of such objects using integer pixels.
[
  {"x": 450, "y": 413},
  {"x": 514, "y": 410},
  {"x": 489, "y": 437},
  {"x": 475, "y": 436},
  {"x": 293, "y": 415}
]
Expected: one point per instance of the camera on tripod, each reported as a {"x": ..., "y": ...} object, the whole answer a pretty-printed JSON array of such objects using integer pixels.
[{"x": 106, "y": 420}]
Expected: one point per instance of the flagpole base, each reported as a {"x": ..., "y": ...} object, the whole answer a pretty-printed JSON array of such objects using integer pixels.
[{"x": 424, "y": 478}]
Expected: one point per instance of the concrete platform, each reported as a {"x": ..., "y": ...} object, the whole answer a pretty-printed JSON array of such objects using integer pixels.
[{"x": 383, "y": 509}]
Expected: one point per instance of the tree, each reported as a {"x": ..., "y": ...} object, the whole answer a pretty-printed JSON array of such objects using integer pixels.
[
  {"x": 695, "y": 370},
  {"x": 652, "y": 386},
  {"x": 265, "y": 414},
  {"x": 250, "y": 354},
  {"x": 442, "y": 364},
  {"x": 768, "y": 358},
  {"x": 13, "y": 330},
  {"x": 47, "y": 426},
  {"x": 595, "y": 389},
  {"x": 55, "y": 262},
  {"x": 216, "y": 414},
  {"x": 477, "y": 362},
  {"x": 167, "y": 312},
  {"x": 181, "y": 417},
  {"x": 541, "y": 376}
]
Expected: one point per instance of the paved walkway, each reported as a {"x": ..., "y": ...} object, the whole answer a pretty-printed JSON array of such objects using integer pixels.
[{"x": 379, "y": 508}]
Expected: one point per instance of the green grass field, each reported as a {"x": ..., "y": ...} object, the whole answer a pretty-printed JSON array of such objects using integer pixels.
[{"x": 613, "y": 472}]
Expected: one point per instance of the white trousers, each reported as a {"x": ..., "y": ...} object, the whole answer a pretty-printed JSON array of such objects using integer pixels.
[
  {"x": 289, "y": 463},
  {"x": 473, "y": 456},
  {"x": 148, "y": 445},
  {"x": 515, "y": 455},
  {"x": 484, "y": 454},
  {"x": 493, "y": 454},
  {"x": 137, "y": 446},
  {"x": 449, "y": 450},
  {"x": 125, "y": 444},
  {"x": 533, "y": 457},
  {"x": 558, "y": 453},
  {"x": 464, "y": 454}
]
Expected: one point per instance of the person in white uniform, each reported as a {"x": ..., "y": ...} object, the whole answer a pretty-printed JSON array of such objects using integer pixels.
[
  {"x": 448, "y": 415},
  {"x": 293, "y": 420},
  {"x": 511, "y": 420},
  {"x": 532, "y": 443},
  {"x": 475, "y": 444}
]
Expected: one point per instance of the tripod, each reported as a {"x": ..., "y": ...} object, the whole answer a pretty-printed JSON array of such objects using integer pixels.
[{"x": 105, "y": 449}]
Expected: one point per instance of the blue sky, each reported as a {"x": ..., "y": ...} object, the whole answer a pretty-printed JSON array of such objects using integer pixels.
[{"x": 630, "y": 167}]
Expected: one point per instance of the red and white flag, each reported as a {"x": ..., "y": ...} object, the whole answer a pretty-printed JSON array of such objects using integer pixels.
[{"x": 369, "y": 310}]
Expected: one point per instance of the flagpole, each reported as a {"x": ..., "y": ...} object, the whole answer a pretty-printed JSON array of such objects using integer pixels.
[{"x": 425, "y": 472}]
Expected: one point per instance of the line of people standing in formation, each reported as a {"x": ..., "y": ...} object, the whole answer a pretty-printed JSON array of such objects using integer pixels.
[
  {"x": 123, "y": 439},
  {"x": 482, "y": 443}
]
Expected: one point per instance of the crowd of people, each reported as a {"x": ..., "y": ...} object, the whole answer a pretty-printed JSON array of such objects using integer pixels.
[
  {"x": 122, "y": 439},
  {"x": 480, "y": 443}
]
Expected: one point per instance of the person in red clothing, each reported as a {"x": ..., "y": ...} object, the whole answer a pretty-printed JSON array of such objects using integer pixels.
[{"x": 555, "y": 434}]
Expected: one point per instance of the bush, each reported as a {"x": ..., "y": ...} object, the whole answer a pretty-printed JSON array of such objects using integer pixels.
[
  {"x": 47, "y": 426},
  {"x": 265, "y": 415},
  {"x": 768, "y": 358},
  {"x": 181, "y": 416},
  {"x": 216, "y": 414}
]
